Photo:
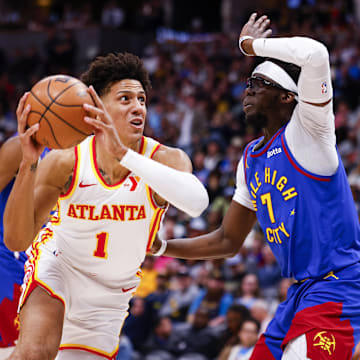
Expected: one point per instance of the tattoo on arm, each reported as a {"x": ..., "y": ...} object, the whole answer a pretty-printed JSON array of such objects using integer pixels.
[
  {"x": 68, "y": 183},
  {"x": 33, "y": 167}
]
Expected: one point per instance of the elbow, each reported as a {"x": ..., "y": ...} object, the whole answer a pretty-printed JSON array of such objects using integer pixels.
[
  {"x": 199, "y": 204},
  {"x": 317, "y": 53}
]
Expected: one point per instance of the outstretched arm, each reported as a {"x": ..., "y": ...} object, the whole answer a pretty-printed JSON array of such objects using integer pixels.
[{"x": 223, "y": 242}]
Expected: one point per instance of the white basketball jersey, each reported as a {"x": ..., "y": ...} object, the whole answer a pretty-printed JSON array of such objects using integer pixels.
[{"x": 105, "y": 230}]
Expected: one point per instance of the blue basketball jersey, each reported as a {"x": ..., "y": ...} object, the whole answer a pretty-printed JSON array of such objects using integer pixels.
[
  {"x": 11, "y": 264},
  {"x": 309, "y": 221}
]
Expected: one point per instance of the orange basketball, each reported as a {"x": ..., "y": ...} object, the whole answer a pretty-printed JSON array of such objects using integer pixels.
[{"x": 57, "y": 105}]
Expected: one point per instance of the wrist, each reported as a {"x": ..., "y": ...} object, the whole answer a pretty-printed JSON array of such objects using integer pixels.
[
  {"x": 245, "y": 45},
  {"x": 162, "y": 248},
  {"x": 28, "y": 165}
]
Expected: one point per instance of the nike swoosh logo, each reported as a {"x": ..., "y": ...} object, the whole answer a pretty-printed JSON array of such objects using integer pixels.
[
  {"x": 81, "y": 185},
  {"x": 126, "y": 290}
]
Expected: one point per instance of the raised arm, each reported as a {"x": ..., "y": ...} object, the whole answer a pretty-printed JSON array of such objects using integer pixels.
[
  {"x": 314, "y": 84},
  {"x": 310, "y": 133},
  {"x": 36, "y": 188}
]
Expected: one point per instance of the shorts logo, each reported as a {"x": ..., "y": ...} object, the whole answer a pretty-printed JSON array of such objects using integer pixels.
[
  {"x": 324, "y": 88},
  {"x": 326, "y": 341},
  {"x": 128, "y": 289}
]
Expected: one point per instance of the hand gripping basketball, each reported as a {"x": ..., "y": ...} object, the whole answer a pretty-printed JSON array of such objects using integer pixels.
[{"x": 57, "y": 105}]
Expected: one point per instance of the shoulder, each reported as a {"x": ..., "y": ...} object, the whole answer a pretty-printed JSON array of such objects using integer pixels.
[
  {"x": 173, "y": 157},
  {"x": 11, "y": 150},
  {"x": 57, "y": 167}
]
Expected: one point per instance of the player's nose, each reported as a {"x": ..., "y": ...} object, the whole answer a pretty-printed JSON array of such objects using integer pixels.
[{"x": 138, "y": 107}]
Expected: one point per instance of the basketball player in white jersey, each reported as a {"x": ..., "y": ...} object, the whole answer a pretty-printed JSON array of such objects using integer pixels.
[{"x": 111, "y": 192}]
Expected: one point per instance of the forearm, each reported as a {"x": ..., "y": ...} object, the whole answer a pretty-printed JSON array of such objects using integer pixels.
[
  {"x": 210, "y": 246},
  {"x": 181, "y": 189},
  {"x": 19, "y": 222}
]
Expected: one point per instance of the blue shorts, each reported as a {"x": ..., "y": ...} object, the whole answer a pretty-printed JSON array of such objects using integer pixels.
[
  {"x": 326, "y": 310},
  {"x": 11, "y": 278}
]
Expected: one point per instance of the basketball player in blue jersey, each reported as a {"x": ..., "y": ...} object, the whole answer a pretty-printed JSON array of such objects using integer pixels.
[
  {"x": 293, "y": 182},
  {"x": 11, "y": 263},
  {"x": 111, "y": 191}
]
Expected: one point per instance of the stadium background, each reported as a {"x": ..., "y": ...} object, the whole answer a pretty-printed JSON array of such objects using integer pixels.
[{"x": 198, "y": 76}]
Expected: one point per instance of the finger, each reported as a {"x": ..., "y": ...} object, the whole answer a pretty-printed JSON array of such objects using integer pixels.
[
  {"x": 20, "y": 107},
  {"x": 95, "y": 122},
  {"x": 261, "y": 19},
  {"x": 267, "y": 33},
  {"x": 95, "y": 97},
  {"x": 32, "y": 129},
  {"x": 264, "y": 24},
  {"x": 252, "y": 18},
  {"x": 23, "y": 118},
  {"x": 93, "y": 110}
]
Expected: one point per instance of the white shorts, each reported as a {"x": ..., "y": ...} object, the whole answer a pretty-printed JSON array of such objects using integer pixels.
[{"x": 94, "y": 313}]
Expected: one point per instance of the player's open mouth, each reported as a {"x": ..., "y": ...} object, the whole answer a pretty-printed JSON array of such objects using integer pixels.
[{"x": 137, "y": 122}]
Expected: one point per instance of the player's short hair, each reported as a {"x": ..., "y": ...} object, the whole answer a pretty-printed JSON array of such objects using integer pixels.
[{"x": 104, "y": 71}]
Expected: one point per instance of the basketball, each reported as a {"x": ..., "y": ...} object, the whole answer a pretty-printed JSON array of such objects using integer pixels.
[{"x": 57, "y": 105}]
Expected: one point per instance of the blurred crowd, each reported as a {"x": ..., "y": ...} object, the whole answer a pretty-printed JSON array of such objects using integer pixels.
[{"x": 204, "y": 309}]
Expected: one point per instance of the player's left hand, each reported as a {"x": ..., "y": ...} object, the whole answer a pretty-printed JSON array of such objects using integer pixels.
[
  {"x": 155, "y": 246},
  {"x": 256, "y": 28},
  {"x": 105, "y": 130}
]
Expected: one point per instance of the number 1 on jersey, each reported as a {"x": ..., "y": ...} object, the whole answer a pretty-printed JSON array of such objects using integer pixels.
[{"x": 101, "y": 247}]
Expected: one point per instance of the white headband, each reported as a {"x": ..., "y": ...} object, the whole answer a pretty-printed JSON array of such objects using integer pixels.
[{"x": 278, "y": 74}]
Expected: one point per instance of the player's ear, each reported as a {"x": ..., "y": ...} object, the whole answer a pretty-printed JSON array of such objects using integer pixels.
[{"x": 287, "y": 97}]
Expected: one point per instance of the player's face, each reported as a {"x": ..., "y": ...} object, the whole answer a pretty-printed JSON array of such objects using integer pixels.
[
  {"x": 261, "y": 98},
  {"x": 126, "y": 104}
]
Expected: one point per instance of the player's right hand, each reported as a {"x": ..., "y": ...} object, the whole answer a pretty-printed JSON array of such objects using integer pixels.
[
  {"x": 30, "y": 149},
  {"x": 256, "y": 28}
]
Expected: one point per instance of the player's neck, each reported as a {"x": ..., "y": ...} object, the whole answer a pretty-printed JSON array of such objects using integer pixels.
[
  {"x": 274, "y": 124},
  {"x": 110, "y": 167}
]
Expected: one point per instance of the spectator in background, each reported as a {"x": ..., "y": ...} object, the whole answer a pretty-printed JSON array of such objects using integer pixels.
[
  {"x": 180, "y": 298},
  {"x": 214, "y": 298},
  {"x": 161, "y": 345},
  {"x": 156, "y": 299},
  {"x": 269, "y": 274},
  {"x": 199, "y": 169},
  {"x": 213, "y": 185},
  {"x": 112, "y": 16},
  {"x": 260, "y": 312},
  {"x": 249, "y": 291},
  {"x": 228, "y": 334},
  {"x": 197, "y": 340},
  {"x": 137, "y": 325},
  {"x": 213, "y": 153},
  {"x": 248, "y": 335}
]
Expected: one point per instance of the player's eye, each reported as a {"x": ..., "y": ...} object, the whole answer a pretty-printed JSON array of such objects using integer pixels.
[
  {"x": 124, "y": 98},
  {"x": 142, "y": 99}
]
